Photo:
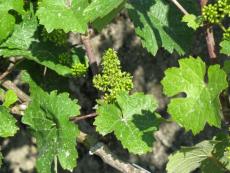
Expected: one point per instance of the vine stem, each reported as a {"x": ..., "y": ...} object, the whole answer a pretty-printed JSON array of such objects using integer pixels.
[
  {"x": 9, "y": 69},
  {"x": 210, "y": 41},
  {"x": 89, "y": 51},
  {"x": 78, "y": 118},
  {"x": 180, "y": 7}
]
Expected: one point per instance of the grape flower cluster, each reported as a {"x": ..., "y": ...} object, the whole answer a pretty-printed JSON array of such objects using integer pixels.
[
  {"x": 215, "y": 13},
  {"x": 112, "y": 80},
  {"x": 79, "y": 69}
]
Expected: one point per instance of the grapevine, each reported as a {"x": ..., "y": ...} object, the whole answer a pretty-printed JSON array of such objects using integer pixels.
[{"x": 54, "y": 92}]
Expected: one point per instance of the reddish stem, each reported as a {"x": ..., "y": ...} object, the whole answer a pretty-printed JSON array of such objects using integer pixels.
[
  {"x": 209, "y": 36},
  {"x": 90, "y": 54},
  {"x": 77, "y": 118}
]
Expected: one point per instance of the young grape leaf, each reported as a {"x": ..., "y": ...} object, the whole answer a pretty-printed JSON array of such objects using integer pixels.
[
  {"x": 7, "y": 20},
  {"x": 192, "y": 21},
  {"x": 189, "y": 158},
  {"x": 62, "y": 14},
  {"x": 201, "y": 104},
  {"x": 100, "y": 8},
  {"x": 48, "y": 117},
  {"x": 8, "y": 127},
  {"x": 225, "y": 47},
  {"x": 10, "y": 98},
  {"x": 132, "y": 120},
  {"x": 157, "y": 23}
]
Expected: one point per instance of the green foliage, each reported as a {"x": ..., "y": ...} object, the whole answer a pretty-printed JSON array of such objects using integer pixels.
[
  {"x": 226, "y": 34},
  {"x": 1, "y": 157},
  {"x": 158, "y": 24},
  {"x": 38, "y": 32},
  {"x": 7, "y": 20},
  {"x": 100, "y": 8},
  {"x": 57, "y": 36},
  {"x": 225, "y": 47},
  {"x": 48, "y": 117},
  {"x": 132, "y": 119},
  {"x": 201, "y": 104},
  {"x": 61, "y": 15},
  {"x": 228, "y": 151},
  {"x": 215, "y": 13},
  {"x": 101, "y": 22},
  {"x": 65, "y": 58},
  {"x": 10, "y": 98},
  {"x": 208, "y": 155},
  {"x": 112, "y": 80},
  {"x": 192, "y": 21},
  {"x": 8, "y": 127}
]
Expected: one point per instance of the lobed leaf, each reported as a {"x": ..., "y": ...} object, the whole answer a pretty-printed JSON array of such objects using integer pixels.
[
  {"x": 192, "y": 21},
  {"x": 132, "y": 120},
  {"x": 48, "y": 117},
  {"x": 201, "y": 104},
  {"x": 157, "y": 23}
]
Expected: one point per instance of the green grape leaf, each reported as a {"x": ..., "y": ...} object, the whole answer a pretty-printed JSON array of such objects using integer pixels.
[
  {"x": 22, "y": 44},
  {"x": 225, "y": 47},
  {"x": 132, "y": 120},
  {"x": 23, "y": 33},
  {"x": 7, "y": 20},
  {"x": 190, "y": 158},
  {"x": 101, "y": 8},
  {"x": 209, "y": 156},
  {"x": 226, "y": 66},
  {"x": 59, "y": 14},
  {"x": 48, "y": 117},
  {"x": 41, "y": 53},
  {"x": 8, "y": 127},
  {"x": 1, "y": 158},
  {"x": 10, "y": 98},
  {"x": 192, "y": 21},
  {"x": 201, "y": 104},
  {"x": 100, "y": 23},
  {"x": 157, "y": 23}
]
